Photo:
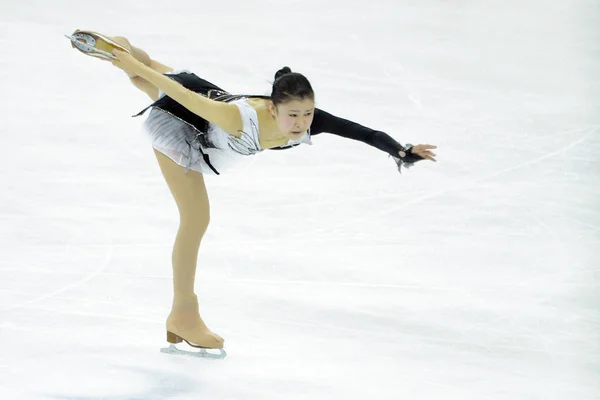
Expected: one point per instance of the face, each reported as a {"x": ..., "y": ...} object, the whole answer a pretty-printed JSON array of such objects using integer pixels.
[{"x": 294, "y": 117}]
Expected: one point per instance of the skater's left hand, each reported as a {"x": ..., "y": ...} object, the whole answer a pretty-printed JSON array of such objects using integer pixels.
[{"x": 421, "y": 150}]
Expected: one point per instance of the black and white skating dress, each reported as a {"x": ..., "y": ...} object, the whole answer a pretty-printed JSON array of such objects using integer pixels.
[{"x": 196, "y": 144}]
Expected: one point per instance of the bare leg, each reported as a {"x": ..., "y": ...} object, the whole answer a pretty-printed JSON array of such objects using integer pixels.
[{"x": 189, "y": 191}]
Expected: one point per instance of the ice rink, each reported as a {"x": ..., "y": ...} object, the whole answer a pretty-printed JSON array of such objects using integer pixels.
[{"x": 329, "y": 274}]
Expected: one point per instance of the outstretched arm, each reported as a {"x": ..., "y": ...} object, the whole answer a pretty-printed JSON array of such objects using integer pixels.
[
  {"x": 325, "y": 122},
  {"x": 225, "y": 115}
]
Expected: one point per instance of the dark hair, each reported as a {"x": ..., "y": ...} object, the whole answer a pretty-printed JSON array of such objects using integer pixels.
[{"x": 289, "y": 86}]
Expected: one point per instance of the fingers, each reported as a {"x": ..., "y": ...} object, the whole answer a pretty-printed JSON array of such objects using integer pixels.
[
  {"x": 122, "y": 56},
  {"x": 124, "y": 60},
  {"x": 423, "y": 150},
  {"x": 427, "y": 156}
]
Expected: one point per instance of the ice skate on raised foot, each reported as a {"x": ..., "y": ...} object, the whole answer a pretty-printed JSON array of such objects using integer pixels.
[
  {"x": 94, "y": 44},
  {"x": 185, "y": 325}
]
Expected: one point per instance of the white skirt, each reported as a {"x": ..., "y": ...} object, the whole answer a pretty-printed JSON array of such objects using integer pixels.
[{"x": 187, "y": 146}]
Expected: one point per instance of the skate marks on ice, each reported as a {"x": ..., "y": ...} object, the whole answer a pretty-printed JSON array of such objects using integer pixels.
[
  {"x": 580, "y": 135},
  {"x": 108, "y": 257},
  {"x": 133, "y": 383},
  {"x": 473, "y": 336},
  {"x": 584, "y": 133}
]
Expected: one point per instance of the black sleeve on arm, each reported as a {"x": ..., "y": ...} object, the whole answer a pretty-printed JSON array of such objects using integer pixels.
[{"x": 325, "y": 122}]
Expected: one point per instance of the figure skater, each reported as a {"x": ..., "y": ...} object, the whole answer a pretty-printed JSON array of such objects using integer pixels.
[{"x": 197, "y": 128}]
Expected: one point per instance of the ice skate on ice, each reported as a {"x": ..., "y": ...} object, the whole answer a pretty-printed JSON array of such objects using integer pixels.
[
  {"x": 202, "y": 352},
  {"x": 94, "y": 44},
  {"x": 185, "y": 325}
]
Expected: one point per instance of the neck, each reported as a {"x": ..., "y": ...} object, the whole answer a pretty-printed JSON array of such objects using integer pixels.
[{"x": 269, "y": 133}]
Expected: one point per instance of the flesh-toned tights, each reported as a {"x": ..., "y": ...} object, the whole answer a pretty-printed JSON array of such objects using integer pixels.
[{"x": 190, "y": 195}]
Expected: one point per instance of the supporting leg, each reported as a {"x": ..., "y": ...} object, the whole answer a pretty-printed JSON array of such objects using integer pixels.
[{"x": 189, "y": 191}]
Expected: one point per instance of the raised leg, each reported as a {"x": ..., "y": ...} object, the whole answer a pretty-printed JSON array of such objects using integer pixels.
[{"x": 144, "y": 58}]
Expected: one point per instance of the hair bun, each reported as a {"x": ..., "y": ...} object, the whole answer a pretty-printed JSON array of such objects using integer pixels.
[
  {"x": 294, "y": 86},
  {"x": 282, "y": 71}
]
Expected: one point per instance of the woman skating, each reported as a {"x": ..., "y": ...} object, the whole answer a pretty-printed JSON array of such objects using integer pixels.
[{"x": 197, "y": 128}]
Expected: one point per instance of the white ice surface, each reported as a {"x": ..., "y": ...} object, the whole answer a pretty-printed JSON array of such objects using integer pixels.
[{"x": 330, "y": 275}]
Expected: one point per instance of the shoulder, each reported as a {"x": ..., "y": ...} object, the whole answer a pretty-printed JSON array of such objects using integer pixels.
[
  {"x": 247, "y": 108},
  {"x": 323, "y": 122},
  {"x": 248, "y": 112},
  {"x": 230, "y": 116}
]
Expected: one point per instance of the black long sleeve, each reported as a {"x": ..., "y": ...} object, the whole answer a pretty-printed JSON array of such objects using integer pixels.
[{"x": 325, "y": 122}]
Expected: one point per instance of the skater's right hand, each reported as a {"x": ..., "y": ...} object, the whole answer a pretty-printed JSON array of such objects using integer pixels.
[{"x": 124, "y": 61}]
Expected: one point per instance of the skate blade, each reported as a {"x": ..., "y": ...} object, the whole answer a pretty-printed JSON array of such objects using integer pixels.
[
  {"x": 94, "y": 45},
  {"x": 201, "y": 353}
]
